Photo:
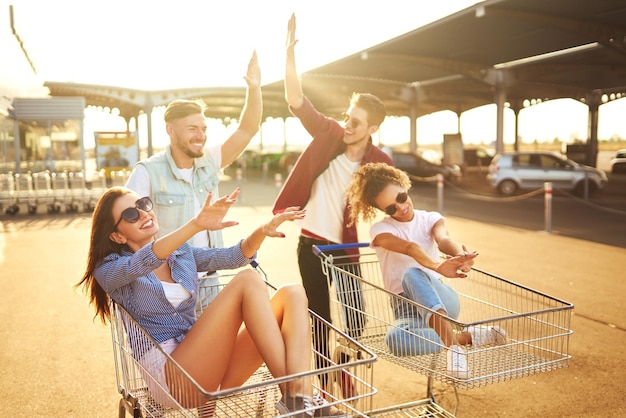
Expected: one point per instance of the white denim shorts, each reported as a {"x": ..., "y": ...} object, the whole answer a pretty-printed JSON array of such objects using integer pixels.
[{"x": 154, "y": 373}]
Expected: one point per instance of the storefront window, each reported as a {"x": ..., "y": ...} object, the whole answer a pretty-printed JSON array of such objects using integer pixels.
[{"x": 50, "y": 146}]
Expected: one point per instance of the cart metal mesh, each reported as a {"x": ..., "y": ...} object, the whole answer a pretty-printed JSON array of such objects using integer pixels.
[
  {"x": 142, "y": 392},
  {"x": 537, "y": 325},
  {"x": 425, "y": 408}
]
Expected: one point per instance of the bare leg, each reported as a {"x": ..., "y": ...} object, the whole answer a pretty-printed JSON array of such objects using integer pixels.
[
  {"x": 219, "y": 351},
  {"x": 289, "y": 305},
  {"x": 443, "y": 328}
]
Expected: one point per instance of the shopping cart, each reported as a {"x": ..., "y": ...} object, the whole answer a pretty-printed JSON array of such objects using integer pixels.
[
  {"x": 143, "y": 395},
  {"x": 42, "y": 188},
  {"x": 537, "y": 325},
  {"x": 24, "y": 192},
  {"x": 77, "y": 191},
  {"x": 60, "y": 191},
  {"x": 95, "y": 189},
  {"x": 8, "y": 199}
]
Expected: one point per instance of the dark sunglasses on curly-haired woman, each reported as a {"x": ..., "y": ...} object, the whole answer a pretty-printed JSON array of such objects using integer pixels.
[{"x": 393, "y": 208}]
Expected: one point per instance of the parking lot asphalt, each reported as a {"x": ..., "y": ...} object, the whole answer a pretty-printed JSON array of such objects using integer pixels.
[{"x": 58, "y": 362}]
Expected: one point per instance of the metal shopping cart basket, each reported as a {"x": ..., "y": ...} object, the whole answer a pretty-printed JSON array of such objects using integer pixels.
[
  {"x": 144, "y": 396},
  {"x": 537, "y": 325}
]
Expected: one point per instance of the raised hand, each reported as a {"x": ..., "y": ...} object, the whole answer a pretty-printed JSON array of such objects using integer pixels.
[
  {"x": 289, "y": 214},
  {"x": 291, "y": 35},
  {"x": 212, "y": 214},
  {"x": 253, "y": 76}
]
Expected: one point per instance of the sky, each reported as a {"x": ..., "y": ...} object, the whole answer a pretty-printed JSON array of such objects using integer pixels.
[
  {"x": 191, "y": 43},
  {"x": 154, "y": 45}
]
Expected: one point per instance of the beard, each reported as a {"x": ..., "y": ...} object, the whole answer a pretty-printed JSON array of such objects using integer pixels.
[{"x": 193, "y": 154}]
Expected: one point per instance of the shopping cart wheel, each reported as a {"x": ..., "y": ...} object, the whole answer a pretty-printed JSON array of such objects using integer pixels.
[{"x": 32, "y": 209}]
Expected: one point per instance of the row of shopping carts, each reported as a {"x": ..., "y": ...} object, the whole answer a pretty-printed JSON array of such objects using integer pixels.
[
  {"x": 54, "y": 191},
  {"x": 537, "y": 326}
]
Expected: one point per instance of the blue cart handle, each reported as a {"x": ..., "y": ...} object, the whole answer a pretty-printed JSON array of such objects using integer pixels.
[{"x": 318, "y": 249}]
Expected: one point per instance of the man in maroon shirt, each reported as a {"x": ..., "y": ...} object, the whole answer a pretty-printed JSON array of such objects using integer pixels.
[{"x": 318, "y": 183}]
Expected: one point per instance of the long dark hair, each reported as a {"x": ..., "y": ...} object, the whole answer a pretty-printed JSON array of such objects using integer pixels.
[{"x": 100, "y": 246}]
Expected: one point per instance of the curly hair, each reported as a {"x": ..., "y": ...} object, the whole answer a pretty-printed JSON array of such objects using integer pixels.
[{"x": 367, "y": 183}]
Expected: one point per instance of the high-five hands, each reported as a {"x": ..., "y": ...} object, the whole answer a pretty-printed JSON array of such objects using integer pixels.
[
  {"x": 253, "y": 76},
  {"x": 291, "y": 35}
]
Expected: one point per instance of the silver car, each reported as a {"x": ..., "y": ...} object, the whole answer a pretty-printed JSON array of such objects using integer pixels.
[
  {"x": 513, "y": 171},
  {"x": 618, "y": 164}
]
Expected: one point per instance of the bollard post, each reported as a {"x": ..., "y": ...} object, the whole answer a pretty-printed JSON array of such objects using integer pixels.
[
  {"x": 547, "y": 186},
  {"x": 265, "y": 170},
  {"x": 278, "y": 180},
  {"x": 239, "y": 176},
  {"x": 440, "y": 192}
]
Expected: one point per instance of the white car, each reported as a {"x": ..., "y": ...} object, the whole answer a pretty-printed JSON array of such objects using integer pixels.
[
  {"x": 513, "y": 171},
  {"x": 618, "y": 164}
]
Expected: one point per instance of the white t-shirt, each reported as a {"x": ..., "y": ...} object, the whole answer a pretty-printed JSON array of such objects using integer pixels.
[
  {"x": 175, "y": 293},
  {"x": 139, "y": 182},
  {"x": 325, "y": 208},
  {"x": 392, "y": 264}
]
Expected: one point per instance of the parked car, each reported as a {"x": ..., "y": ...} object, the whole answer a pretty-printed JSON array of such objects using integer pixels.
[
  {"x": 477, "y": 158},
  {"x": 513, "y": 171},
  {"x": 418, "y": 166},
  {"x": 618, "y": 164}
]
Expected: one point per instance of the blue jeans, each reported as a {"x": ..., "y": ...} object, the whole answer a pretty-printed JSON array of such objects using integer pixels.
[{"x": 411, "y": 334}]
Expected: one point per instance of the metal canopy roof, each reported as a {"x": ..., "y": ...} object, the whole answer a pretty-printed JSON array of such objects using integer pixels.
[
  {"x": 530, "y": 49},
  {"x": 533, "y": 49}
]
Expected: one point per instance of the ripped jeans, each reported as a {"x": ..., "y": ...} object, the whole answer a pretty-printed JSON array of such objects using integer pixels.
[{"x": 411, "y": 334}]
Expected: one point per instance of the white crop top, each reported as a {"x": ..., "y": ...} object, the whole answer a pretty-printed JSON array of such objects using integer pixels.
[{"x": 175, "y": 293}]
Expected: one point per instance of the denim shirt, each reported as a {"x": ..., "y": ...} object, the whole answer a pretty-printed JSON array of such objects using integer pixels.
[
  {"x": 173, "y": 196},
  {"x": 129, "y": 280}
]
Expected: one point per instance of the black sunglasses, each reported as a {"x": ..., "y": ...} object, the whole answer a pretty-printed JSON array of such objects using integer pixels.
[
  {"x": 400, "y": 198},
  {"x": 354, "y": 123},
  {"x": 131, "y": 215}
]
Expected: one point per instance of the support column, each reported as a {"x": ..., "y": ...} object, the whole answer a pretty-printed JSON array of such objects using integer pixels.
[
  {"x": 500, "y": 99},
  {"x": 413, "y": 118},
  {"x": 148, "y": 107},
  {"x": 592, "y": 136}
]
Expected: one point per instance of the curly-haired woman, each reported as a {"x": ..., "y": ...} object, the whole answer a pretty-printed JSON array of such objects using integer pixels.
[{"x": 408, "y": 242}]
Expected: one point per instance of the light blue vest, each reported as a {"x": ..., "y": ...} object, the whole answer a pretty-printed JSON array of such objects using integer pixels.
[{"x": 173, "y": 196}]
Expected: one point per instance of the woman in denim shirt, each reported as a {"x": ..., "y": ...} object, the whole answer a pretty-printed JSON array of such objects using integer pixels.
[{"x": 156, "y": 281}]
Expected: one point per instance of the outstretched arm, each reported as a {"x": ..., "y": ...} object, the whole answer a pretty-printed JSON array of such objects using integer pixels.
[
  {"x": 250, "y": 118},
  {"x": 210, "y": 217},
  {"x": 448, "y": 268},
  {"x": 293, "y": 88},
  {"x": 448, "y": 246},
  {"x": 251, "y": 244}
]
